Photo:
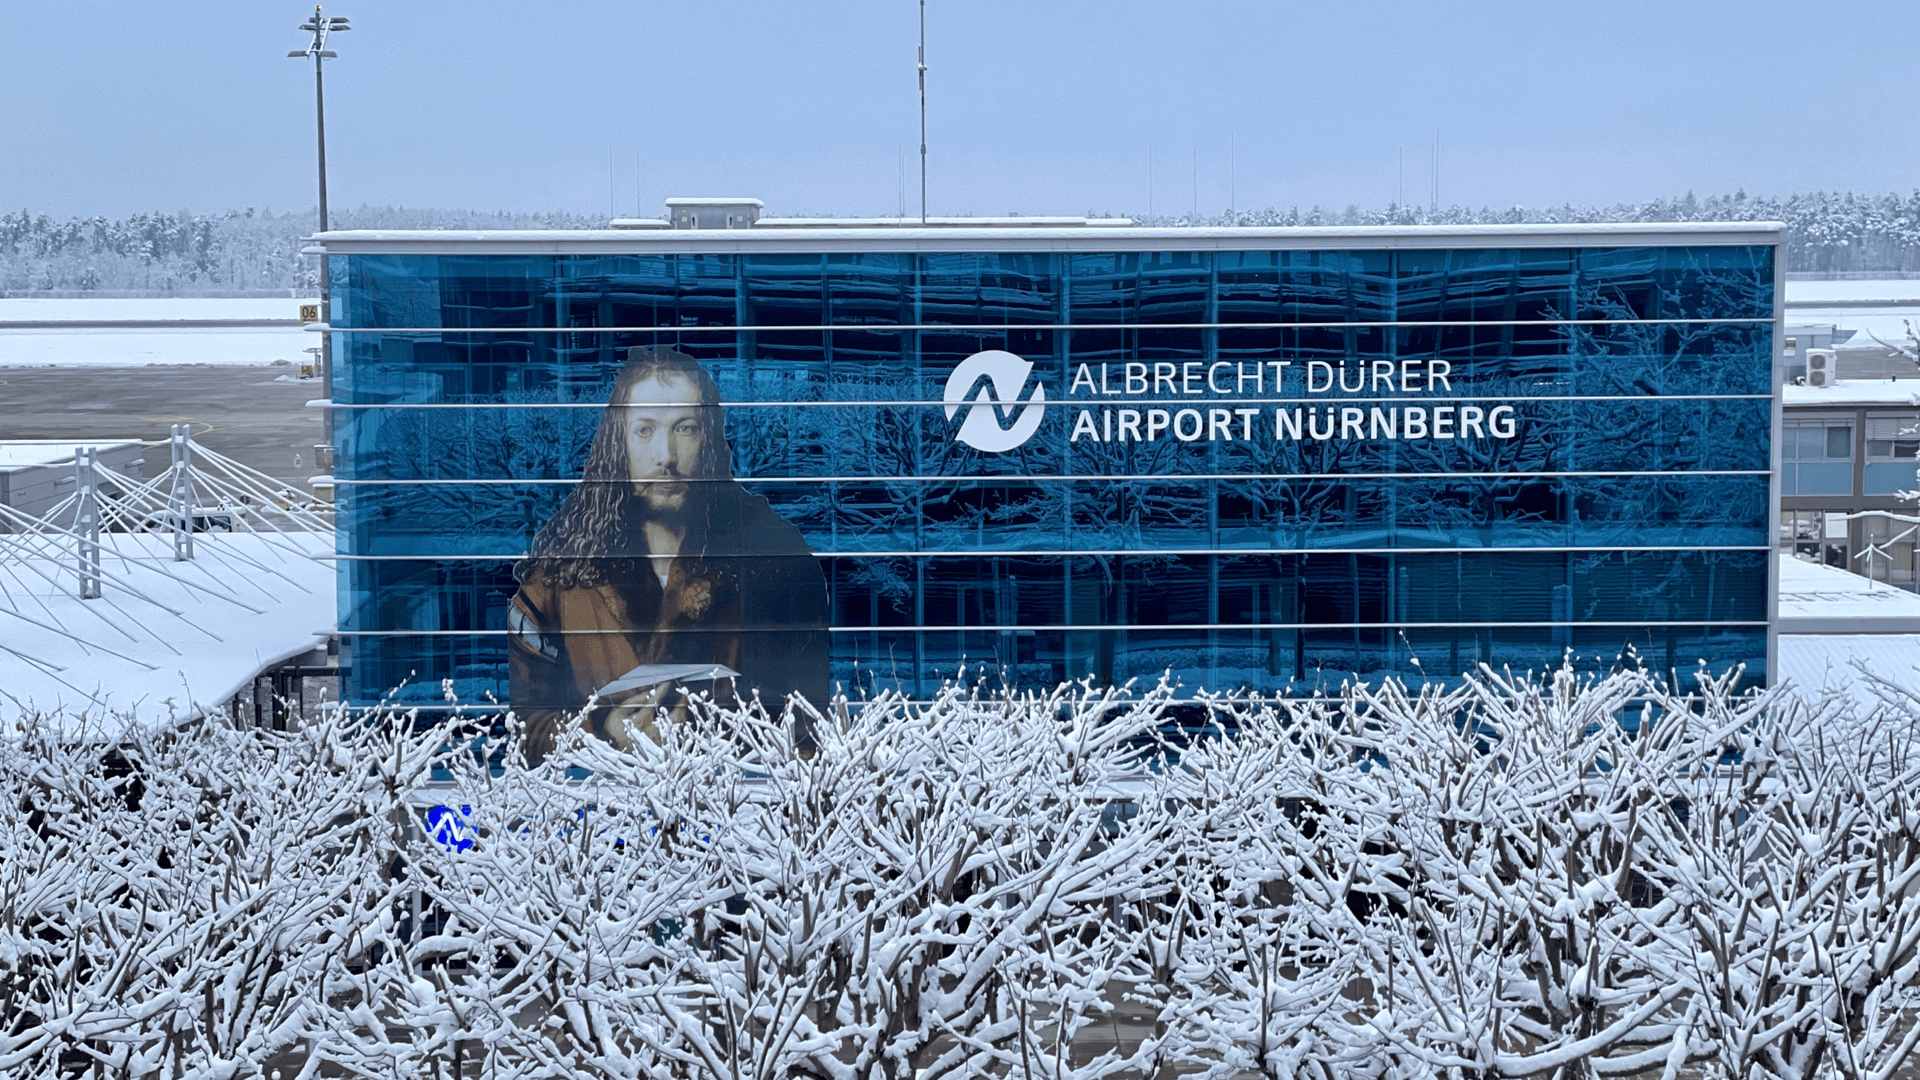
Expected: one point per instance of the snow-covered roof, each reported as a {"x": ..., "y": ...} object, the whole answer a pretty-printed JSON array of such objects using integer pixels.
[
  {"x": 944, "y": 223},
  {"x": 1029, "y": 238},
  {"x": 17, "y": 454},
  {"x": 1841, "y": 633},
  {"x": 1869, "y": 669},
  {"x": 1851, "y": 392},
  {"x": 166, "y": 641},
  {"x": 1819, "y": 599}
]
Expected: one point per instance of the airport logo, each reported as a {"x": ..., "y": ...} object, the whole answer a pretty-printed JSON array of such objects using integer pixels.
[{"x": 1005, "y": 378}]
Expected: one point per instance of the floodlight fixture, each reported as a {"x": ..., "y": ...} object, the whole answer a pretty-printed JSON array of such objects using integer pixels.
[{"x": 320, "y": 26}]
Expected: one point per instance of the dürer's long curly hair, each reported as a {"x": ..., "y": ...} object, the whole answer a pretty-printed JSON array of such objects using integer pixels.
[{"x": 577, "y": 544}]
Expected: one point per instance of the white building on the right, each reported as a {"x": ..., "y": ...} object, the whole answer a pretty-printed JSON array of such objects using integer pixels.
[{"x": 1851, "y": 439}]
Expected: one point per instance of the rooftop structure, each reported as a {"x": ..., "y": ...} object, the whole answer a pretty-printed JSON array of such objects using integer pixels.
[
  {"x": 713, "y": 213},
  {"x": 36, "y": 474},
  {"x": 743, "y": 213}
]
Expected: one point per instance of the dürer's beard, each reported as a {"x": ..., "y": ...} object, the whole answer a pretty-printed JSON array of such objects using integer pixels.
[
  {"x": 665, "y": 511},
  {"x": 664, "y": 500}
]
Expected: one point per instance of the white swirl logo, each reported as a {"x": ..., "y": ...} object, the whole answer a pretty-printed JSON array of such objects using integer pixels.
[{"x": 1006, "y": 376}]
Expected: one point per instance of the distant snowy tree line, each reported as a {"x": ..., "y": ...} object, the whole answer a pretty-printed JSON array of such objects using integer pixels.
[
  {"x": 187, "y": 254},
  {"x": 1827, "y": 232},
  {"x": 1562, "y": 877},
  {"x": 241, "y": 252}
]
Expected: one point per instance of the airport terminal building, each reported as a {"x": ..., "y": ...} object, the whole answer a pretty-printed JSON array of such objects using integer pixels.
[{"x": 876, "y": 457}]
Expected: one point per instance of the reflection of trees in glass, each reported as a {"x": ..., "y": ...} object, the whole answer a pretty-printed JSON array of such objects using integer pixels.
[
  {"x": 1488, "y": 481},
  {"x": 1632, "y": 355},
  {"x": 1627, "y": 357},
  {"x": 487, "y": 443},
  {"x": 1686, "y": 589}
]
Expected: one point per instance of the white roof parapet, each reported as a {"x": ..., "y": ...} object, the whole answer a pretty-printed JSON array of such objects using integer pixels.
[
  {"x": 1027, "y": 237},
  {"x": 713, "y": 200}
]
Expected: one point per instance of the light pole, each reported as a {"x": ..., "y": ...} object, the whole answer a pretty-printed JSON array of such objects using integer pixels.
[
  {"x": 923, "y": 111},
  {"x": 320, "y": 26}
]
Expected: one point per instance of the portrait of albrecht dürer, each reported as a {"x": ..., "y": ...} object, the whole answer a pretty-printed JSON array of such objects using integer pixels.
[{"x": 660, "y": 563}]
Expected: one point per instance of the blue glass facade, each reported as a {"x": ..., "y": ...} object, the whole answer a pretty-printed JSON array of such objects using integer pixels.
[{"x": 1261, "y": 469}]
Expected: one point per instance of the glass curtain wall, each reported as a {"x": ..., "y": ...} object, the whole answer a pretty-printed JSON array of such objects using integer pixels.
[{"x": 1260, "y": 471}]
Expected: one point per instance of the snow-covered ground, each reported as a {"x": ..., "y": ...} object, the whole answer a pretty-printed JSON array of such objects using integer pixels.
[
  {"x": 137, "y": 348},
  {"x": 1874, "y": 308},
  {"x": 146, "y": 309},
  {"x": 165, "y": 639},
  {"x": 1892, "y": 290},
  {"x": 25, "y": 340}
]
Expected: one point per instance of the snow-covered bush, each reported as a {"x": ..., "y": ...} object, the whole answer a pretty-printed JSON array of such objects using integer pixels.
[
  {"x": 1509, "y": 876},
  {"x": 194, "y": 903}
]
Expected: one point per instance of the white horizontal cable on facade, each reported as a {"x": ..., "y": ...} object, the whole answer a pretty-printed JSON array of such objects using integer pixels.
[
  {"x": 1163, "y": 478},
  {"x": 881, "y": 328},
  {"x": 1142, "y": 627},
  {"x": 1080, "y": 403},
  {"x": 1021, "y": 553}
]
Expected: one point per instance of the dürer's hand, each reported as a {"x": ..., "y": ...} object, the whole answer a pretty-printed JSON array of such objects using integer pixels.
[{"x": 635, "y": 715}]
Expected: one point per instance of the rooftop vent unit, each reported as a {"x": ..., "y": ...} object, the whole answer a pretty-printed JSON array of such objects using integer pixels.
[
  {"x": 713, "y": 213},
  {"x": 1821, "y": 370}
]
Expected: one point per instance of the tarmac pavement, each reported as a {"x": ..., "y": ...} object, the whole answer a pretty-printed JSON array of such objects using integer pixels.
[{"x": 240, "y": 411}]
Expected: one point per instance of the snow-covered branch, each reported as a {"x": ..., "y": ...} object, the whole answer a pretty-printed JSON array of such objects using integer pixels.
[{"x": 1505, "y": 875}]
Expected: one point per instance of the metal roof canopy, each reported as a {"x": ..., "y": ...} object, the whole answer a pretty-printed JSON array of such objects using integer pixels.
[{"x": 957, "y": 240}]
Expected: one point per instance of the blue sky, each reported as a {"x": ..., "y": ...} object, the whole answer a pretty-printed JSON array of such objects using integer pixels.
[{"x": 1037, "y": 106}]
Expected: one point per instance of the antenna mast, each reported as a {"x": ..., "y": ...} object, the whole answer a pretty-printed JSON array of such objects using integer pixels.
[{"x": 923, "y": 112}]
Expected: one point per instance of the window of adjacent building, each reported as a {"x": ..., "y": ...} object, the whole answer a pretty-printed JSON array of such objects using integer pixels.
[
  {"x": 1816, "y": 457},
  {"x": 1893, "y": 443},
  {"x": 1815, "y": 535}
]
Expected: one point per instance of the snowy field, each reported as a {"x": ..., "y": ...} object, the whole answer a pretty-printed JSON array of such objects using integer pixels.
[
  {"x": 1878, "y": 308},
  {"x": 166, "y": 639},
  {"x": 1891, "y": 290},
  {"x": 26, "y": 340},
  {"x": 146, "y": 309}
]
